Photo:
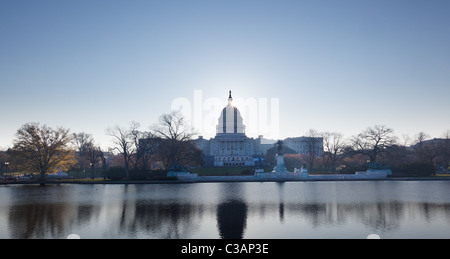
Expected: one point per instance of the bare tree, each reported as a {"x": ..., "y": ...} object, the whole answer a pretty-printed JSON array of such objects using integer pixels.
[
  {"x": 373, "y": 142},
  {"x": 446, "y": 134},
  {"x": 421, "y": 137},
  {"x": 314, "y": 144},
  {"x": 43, "y": 149},
  {"x": 94, "y": 154},
  {"x": 82, "y": 141},
  {"x": 333, "y": 145},
  {"x": 434, "y": 151},
  {"x": 88, "y": 152},
  {"x": 146, "y": 145},
  {"x": 445, "y": 150},
  {"x": 124, "y": 143},
  {"x": 173, "y": 126},
  {"x": 406, "y": 140},
  {"x": 175, "y": 134},
  {"x": 104, "y": 165},
  {"x": 426, "y": 149}
]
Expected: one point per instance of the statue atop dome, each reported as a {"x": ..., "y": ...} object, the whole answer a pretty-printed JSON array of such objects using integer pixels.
[{"x": 230, "y": 100}]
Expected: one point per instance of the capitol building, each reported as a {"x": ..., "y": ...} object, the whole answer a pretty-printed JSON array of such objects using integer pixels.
[{"x": 231, "y": 147}]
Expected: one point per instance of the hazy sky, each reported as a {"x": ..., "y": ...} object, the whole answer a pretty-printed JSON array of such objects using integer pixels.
[{"x": 333, "y": 65}]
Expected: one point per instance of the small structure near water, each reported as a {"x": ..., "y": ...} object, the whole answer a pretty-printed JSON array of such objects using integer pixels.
[{"x": 180, "y": 172}]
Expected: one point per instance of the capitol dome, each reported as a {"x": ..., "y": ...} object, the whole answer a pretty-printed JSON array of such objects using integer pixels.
[{"x": 230, "y": 120}]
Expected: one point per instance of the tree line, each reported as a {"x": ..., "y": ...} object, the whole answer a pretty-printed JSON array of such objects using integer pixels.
[
  {"x": 41, "y": 149},
  {"x": 377, "y": 146}
]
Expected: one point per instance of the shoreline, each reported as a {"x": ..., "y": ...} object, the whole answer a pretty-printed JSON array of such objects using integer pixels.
[{"x": 218, "y": 180}]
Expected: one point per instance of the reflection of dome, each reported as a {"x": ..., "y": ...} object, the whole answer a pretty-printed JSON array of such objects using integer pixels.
[
  {"x": 232, "y": 219},
  {"x": 230, "y": 120}
]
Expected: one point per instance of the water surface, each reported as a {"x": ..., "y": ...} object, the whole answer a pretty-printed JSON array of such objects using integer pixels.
[{"x": 391, "y": 209}]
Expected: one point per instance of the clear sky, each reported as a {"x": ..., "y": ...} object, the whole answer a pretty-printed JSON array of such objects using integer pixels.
[{"x": 333, "y": 65}]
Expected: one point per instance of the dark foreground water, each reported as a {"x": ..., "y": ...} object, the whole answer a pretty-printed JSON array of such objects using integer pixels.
[{"x": 390, "y": 209}]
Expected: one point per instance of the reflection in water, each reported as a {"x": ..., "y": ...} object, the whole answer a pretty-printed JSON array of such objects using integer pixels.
[
  {"x": 164, "y": 220},
  {"x": 232, "y": 211},
  {"x": 281, "y": 201},
  {"x": 40, "y": 220},
  {"x": 223, "y": 210},
  {"x": 232, "y": 219}
]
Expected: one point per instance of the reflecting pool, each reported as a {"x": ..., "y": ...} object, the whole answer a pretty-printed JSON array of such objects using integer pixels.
[{"x": 354, "y": 209}]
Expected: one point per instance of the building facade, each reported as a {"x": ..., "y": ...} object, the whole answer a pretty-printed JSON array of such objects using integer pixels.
[
  {"x": 305, "y": 145},
  {"x": 231, "y": 147}
]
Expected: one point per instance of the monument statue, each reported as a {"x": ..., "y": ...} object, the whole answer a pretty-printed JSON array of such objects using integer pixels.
[
  {"x": 279, "y": 147},
  {"x": 279, "y": 167}
]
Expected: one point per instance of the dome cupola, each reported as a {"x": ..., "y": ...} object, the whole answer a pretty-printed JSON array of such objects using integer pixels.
[{"x": 230, "y": 120}]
